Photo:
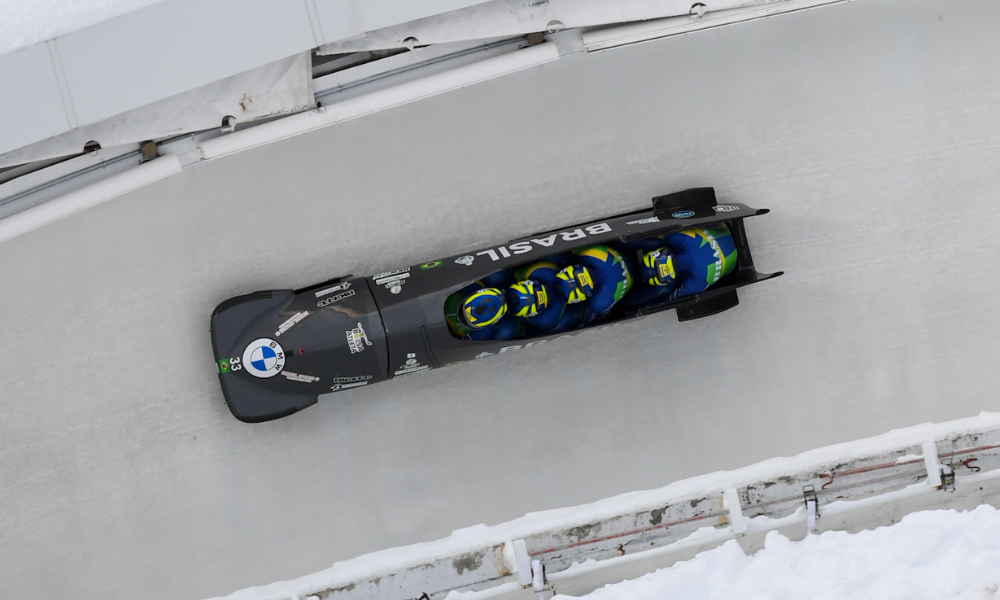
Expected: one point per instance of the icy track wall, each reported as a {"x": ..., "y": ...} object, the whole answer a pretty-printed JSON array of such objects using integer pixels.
[
  {"x": 849, "y": 487},
  {"x": 870, "y": 129}
]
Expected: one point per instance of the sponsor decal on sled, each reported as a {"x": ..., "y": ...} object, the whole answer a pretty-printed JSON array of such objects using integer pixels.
[
  {"x": 262, "y": 358},
  {"x": 352, "y": 379},
  {"x": 291, "y": 322},
  {"x": 300, "y": 378},
  {"x": 355, "y": 337},
  {"x": 465, "y": 260},
  {"x": 724, "y": 208},
  {"x": 683, "y": 214},
  {"x": 385, "y": 280},
  {"x": 379, "y": 276},
  {"x": 644, "y": 221},
  {"x": 548, "y": 241},
  {"x": 343, "y": 386},
  {"x": 412, "y": 366},
  {"x": 405, "y": 372},
  {"x": 337, "y": 288},
  {"x": 334, "y": 298}
]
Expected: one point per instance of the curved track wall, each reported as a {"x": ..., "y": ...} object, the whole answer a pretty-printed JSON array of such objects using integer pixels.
[{"x": 870, "y": 129}]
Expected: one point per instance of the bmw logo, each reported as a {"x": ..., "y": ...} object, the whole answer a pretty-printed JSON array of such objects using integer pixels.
[
  {"x": 683, "y": 214},
  {"x": 264, "y": 358}
]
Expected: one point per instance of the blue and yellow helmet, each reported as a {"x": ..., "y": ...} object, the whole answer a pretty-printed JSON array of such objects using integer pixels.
[
  {"x": 576, "y": 283},
  {"x": 527, "y": 298},
  {"x": 482, "y": 309},
  {"x": 658, "y": 267}
]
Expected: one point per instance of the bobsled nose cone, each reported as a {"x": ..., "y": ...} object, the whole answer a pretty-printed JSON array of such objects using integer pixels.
[{"x": 261, "y": 339}]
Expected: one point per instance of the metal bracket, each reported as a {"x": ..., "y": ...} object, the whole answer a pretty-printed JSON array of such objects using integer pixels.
[
  {"x": 538, "y": 580},
  {"x": 947, "y": 478},
  {"x": 812, "y": 507}
]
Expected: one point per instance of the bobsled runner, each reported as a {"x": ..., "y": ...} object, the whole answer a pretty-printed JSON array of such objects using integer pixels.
[{"x": 277, "y": 351}]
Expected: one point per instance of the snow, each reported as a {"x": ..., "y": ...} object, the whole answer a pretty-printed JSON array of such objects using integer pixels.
[
  {"x": 474, "y": 538},
  {"x": 930, "y": 554},
  {"x": 24, "y": 24}
]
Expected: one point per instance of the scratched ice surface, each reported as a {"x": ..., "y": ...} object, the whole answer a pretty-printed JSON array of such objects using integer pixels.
[{"x": 869, "y": 128}]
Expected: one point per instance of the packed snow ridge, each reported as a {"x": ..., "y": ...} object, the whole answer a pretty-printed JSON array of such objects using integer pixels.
[{"x": 927, "y": 555}]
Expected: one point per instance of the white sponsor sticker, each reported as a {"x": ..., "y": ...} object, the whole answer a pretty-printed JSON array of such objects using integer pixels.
[
  {"x": 352, "y": 379},
  {"x": 384, "y": 280},
  {"x": 263, "y": 358},
  {"x": 301, "y": 378},
  {"x": 378, "y": 276},
  {"x": 334, "y": 298},
  {"x": 344, "y": 386},
  {"x": 337, "y": 288},
  {"x": 644, "y": 221},
  {"x": 726, "y": 208},
  {"x": 405, "y": 372},
  {"x": 291, "y": 322},
  {"x": 357, "y": 339},
  {"x": 465, "y": 260},
  {"x": 412, "y": 365}
]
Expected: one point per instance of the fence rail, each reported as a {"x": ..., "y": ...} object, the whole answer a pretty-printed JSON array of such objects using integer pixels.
[{"x": 849, "y": 487}]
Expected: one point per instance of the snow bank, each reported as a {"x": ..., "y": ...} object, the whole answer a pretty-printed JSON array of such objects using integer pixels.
[
  {"x": 930, "y": 554},
  {"x": 593, "y": 536}
]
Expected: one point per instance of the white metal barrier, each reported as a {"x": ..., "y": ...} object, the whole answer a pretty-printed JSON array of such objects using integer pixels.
[
  {"x": 346, "y": 95},
  {"x": 850, "y": 487}
]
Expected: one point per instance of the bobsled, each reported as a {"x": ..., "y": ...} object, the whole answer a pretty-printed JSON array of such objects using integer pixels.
[{"x": 277, "y": 351}]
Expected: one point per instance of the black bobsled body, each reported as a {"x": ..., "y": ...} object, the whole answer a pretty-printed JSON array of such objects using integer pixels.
[{"x": 277, "y": 351}]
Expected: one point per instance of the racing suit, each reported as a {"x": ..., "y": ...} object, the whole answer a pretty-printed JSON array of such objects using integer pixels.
[
  {"x": 559, "y": 315},
  {"x": 611, "y": 276},
  {"x": 507, "y": 328},
  {"x": 702, "y": 256}
]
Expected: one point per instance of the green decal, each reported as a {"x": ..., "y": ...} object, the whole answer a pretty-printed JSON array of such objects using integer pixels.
[
  {"x": 711, "y": 276},
  {"x": 430, "y": 265},
  {"x": 223, "y": 365},
  {"x": 730, "y": 263},
  {"x": 620, "y": 289}
]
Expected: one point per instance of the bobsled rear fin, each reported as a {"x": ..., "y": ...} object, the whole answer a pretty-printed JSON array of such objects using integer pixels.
[
  {"x": 689, "y": 198},
  {"x": 706, "y": 308}
]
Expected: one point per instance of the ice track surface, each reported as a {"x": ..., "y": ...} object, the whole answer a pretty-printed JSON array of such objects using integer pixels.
[{"x": 870, "y": 128}]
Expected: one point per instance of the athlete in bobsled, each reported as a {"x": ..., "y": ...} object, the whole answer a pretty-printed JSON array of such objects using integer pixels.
[
  {"x": 479, "y": 310},
  {"x": 611, "y": 276},
  {"x": 548, "y": 298},
  {"x": 680, "y": 264}
]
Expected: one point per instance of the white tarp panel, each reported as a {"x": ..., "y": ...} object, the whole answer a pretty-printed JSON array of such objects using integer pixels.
[
  {"x": 281, "y": 87},
  {"x": 164, "y": 49}
]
